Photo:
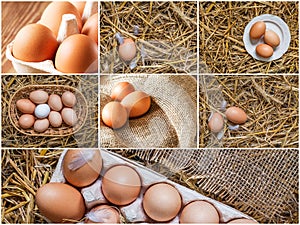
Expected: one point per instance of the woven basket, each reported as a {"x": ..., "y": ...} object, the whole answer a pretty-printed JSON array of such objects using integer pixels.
[{"x": 81, "y": 109}]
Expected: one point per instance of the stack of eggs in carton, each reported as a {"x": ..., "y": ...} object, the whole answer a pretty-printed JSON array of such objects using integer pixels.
[{"x": 64, "y": 40}]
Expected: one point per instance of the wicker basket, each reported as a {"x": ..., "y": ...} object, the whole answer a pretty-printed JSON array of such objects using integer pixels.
[{"x": 81, "y": 109}]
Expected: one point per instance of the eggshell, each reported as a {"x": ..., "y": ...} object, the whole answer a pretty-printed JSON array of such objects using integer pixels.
[
  {"x": 162, "y": 202},
  {"x": 271, "y": 38},
  {"x": 79, "y": 6},
  {"x": 90, "y": 28},
  {"x": 241, "y": 221},
  {"x": 114, "y": 115},
  {"x": 78, "y": 53},
  {"x": 127, "y": 50},
  {"x": 58, "y": 201},
  {"x": 34, "y": 43},
  {"x": 69, "y": 116},
  {"x": 264, "y": 50},
  {"x": 120, "y": 90},
  {"x": 38, "y": 96},
  {"x": 136, "y": 103},
  {"x": 216, "y": 123},
  {"x": 121, "y": 185},
  {"x": 236, "y": 115},
  {"x": 80, "y": 170},
  {"x": 53, "y": 13},
  {"x": 25, "y": 106},
  {"x": 26, "y": 121},
  {"x": 55, "y": 119},
  {"x": 199, "y": 212},
  {"x": 68, "y": 99},
  {"x": 55, "y": 102},
  {"x": 257, "y": 30},
  {"x": 41, "y": 125},
  {"x": 103, "y": 214},
  {"x": 42, "y": 111}
]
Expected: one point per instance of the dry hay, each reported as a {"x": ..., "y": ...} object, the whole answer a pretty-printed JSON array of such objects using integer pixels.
[
  {"x": 222, "y": 26},
  {"x": 87, "y": 136},
  {"x": 167, "y": 36},
  {"x": 271, "y": 103}
]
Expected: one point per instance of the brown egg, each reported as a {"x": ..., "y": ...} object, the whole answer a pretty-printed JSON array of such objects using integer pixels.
[
  {"x": 103, "y": 214},
  {"x": 69, "y": 116},
  {"x": 82, "y": 167},
  {"x": 26, "y": 121},
  {"x": 199, "y": 212},
  {"x": 271, "y": 38},
  {"x": 120, "y": 90},
  {"x": 216, "y": 123},
  {"x": 38, "y": 96},
  {"x": 34, "y": 43},
  {"x": 257, "y": 30},
  {"x": 136, "y": 103},
  {"x": 127, "y": 50},
  {"x": 114, "y": 115},
  {"x": 243, "y": 220},
  {"x": 55, "y": 102},
  {"x": 41, "y": 125},
  {"x": 25, "y": 106},
  {"x": 79, "y": 6},
  {"x": 68, "y": 99},
  {"x": 52, "y": 15},
  {"x": 162, "y": 202},
  {"x": 264, "y": 50},
  {"x": 55, "y": 119},
  {"x": 77, "y": 54},
  {"x": 236, "y": 115},
  {"x": 59, "y": 202},
  {"x": 121, "y": 185},
  {"x": 90, "y": 28}
]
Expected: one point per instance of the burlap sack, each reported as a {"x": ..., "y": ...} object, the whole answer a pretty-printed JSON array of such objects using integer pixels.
[{"x": 171, "y": 120}]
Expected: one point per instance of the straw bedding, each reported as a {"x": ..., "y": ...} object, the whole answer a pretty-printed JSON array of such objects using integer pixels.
[
  {"x": 222, "y": 26},
  {"x": 87, "y": 136}
]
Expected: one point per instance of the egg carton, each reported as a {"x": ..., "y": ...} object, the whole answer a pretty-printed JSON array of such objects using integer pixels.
[
  {"x": 134, "y": 212},
  {"x": 67, "y": 27}
]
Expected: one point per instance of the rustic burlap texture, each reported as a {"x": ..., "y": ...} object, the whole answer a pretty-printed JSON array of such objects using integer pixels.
[{"x": 171, "y": 120}]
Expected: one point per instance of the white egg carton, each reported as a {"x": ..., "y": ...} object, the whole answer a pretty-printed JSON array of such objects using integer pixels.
[{"x": 134, "y": 212}]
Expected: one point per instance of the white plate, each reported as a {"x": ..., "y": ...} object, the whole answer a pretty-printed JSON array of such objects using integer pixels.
[{"x": 275, "y": 24}]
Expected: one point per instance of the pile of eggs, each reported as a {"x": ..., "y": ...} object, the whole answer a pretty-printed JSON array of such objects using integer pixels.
[
  {"x": 78, "y": 53},
  {"x": 234, "y": 114},
  {"x": 41, "y": 110},
  {"x": 127, "y": 102},
  {"x": 271, "y": 39},
  {"x": 121, "y": 185}
]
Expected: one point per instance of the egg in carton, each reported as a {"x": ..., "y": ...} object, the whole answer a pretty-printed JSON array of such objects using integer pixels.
[
  {"x": 67, "y": 28},
  {"x": 134, "y": 212}
]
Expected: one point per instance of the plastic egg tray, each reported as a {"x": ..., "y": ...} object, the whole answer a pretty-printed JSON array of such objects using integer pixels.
[{"x": 134, "y": 213}]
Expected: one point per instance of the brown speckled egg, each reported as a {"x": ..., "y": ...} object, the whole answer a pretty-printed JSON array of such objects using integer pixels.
[
  {"x": 264, "y": 50},
  {"x": 136, "y": 103},
  {"x": 121, "y": 185},
  {"x": 271, "y": 38},
  {"x": 257, "y": 30},
  {"x": 25, "y": 106},
  {"x": 53, "y": 13},
  {"x": 55, "y": 119},
  {"x": 90, "y": 28},
  {"x": 78, "y": 53},
  {"x": 68, "y": 99},
  {"x": 26, "y": 121},
  {"x": 69, "y": 116},
  {"x": 114, "y": 115},
  {"x": 103, "y": 214},
  {"x": 120, "y": 90},
  {"x": 216, "y": 122},
  {"x": 41, "y": 125},
  {"x": 236, "y": 115},
  {"x": 82, "y": 167},
  {"x": 39, "y": 96},
  {"x": 162, "y": 202},
  {"x": 59, "y": 202},
  {"x": 127, "y": 50},
  {"x": 79, "y": 6},
  {"x": 242, "y": 220},
  {"x": 199, "y": 212},
  {"x": 55, "y": 102},
  {"x": 34, "y": 43}
]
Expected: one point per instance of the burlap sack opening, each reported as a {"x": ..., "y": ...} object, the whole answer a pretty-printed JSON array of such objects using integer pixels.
[{"x": 171, "y": 120}]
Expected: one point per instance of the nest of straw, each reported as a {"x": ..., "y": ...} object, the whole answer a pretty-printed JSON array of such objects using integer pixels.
[
  {"x": 222, "y": 26},
  {"x": 167, "y": 38},
  {"x": 87, "y": 136},
  {"x": 271, "y": 103}
]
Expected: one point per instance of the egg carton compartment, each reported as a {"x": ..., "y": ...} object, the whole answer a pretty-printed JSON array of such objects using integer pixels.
[
  {"x": 134, "y": 212},
  {"x": 81, "y": 109}
]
